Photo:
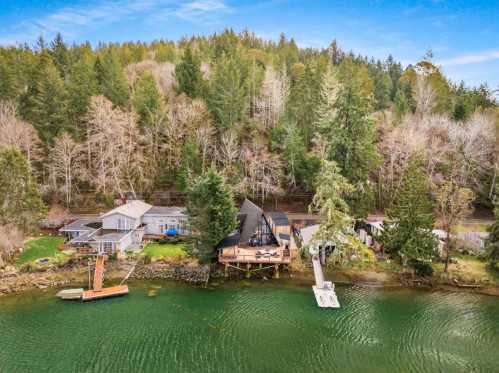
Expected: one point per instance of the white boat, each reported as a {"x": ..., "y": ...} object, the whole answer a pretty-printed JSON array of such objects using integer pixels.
[{"x": 70, "y": 293}]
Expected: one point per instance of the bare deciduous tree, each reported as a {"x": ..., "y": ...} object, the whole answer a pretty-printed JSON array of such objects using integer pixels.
[
  {"x": 65, "y": 159},
  {"x": 115, "y": 154},
  {"x": 274, "y": 92},
  {"x": 262, "y": 171},
  {"x": 453, "y": 203},
  {"x": 16, "y": 132},
  {"x": 425, "y": 95}
]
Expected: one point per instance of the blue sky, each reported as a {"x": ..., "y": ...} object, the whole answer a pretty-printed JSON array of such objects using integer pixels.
[{"x": 462, "y": 34}]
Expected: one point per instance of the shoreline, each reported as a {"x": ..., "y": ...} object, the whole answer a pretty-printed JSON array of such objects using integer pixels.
[{"x": 202, "y": 276}]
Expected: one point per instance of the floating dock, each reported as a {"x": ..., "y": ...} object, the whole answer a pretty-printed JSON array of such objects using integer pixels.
[
  {"x": 323, "y": 290},
  {"x": 98, "y": 292},
  {"x": 112, "y": 291}
]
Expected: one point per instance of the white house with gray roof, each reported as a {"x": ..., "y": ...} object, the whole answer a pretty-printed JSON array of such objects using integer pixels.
[{"x": 124, "y": 227}]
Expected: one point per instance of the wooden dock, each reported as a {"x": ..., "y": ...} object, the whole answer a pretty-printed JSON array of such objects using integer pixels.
[
  {"x": 323, "y": 290},
  {"x": 112, "y": 291}
]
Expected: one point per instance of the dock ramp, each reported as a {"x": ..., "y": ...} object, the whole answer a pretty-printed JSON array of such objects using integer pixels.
[{"x": 323, "y": 290}]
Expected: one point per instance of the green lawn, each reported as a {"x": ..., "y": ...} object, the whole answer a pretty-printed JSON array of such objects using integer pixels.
[
  {"x": 43, "y": 247},
  {"x": 163, "y": 251}
]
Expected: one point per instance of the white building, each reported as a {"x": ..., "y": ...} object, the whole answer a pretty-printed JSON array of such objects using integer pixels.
[{"x": 123, "y": 228}]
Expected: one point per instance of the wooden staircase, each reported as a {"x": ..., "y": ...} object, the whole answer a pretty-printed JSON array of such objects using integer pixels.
[{"x": 99, "y": 273}]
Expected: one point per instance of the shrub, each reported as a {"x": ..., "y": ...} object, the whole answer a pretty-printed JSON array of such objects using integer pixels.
[{"x": 422, "y": 269}]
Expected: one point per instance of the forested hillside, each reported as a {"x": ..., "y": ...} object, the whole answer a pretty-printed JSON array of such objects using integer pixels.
[{"x": 141, "y": 117}]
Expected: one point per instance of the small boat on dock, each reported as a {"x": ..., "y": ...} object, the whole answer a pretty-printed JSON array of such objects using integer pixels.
[
  {"x": 68, "y": 294},
  {"x": 97, "y": 292}
]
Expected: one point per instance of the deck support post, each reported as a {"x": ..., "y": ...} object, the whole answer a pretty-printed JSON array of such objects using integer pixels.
[
  {"x": 248, "y": 271},
  {"x": 226, "y": 272},
  {"x": 276, "y": 273}
]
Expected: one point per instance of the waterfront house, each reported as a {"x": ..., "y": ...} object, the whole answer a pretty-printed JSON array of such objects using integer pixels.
[
  {"x": 124, "y": 227},
  {"x": 260, "y": 238}
]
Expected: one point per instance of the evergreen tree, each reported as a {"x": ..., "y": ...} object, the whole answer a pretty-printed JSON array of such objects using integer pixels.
[
  {"x": 45, "y": 102},
  {"x": 211, "y": 211},
  {"x": 343, "y": 119},
  {"x": 20, "y": 201},
  {"x": 295, "y": 155},
  {"x": 190, "y": 166},
  {"x": 492, "y": 243},
  {"x": 189, "y": 76},
  {"x": 146, "y": 99},
  {"x": 82, "y": 85},
  {"x": 394, "y": 70},
  {"x": 329, "y": 201},
  {"x": 60, "y": 54},
  {"x": 111, "y": 78},
  {"x": 9, "y": 88},
  {"x": 381, "y": 85},
  {"x": 228, "y": 97},
  {"x": 408, "y": 231},
  {"x": 303, "y": 100}
]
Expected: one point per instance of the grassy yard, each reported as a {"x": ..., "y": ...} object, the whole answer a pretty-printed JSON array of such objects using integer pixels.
[
  {"x": 470, "y": 269},
  {"x": 42, "y": 247},
  {"x": 157, "y": 251}
]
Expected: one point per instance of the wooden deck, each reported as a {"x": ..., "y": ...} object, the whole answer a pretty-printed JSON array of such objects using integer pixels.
[
  {"x": 112, "y": 291},
  {"x": 251, "y": 255}
]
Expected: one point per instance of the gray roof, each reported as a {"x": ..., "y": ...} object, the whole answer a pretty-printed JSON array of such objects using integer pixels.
[
  {"x": 82, "y": 225},
  {"x": 108, "y": 235},
  {"x": 165, "y": 210},
  {"x": 134, "y": 209},
  {"x": 82, "y": 238},
  {"x": 284, "y": 236},
  {"x": 278, "y": 217},
  {"x": 250, "y": 215}
]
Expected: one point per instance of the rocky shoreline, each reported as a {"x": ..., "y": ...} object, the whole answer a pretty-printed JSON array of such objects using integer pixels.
[
  {"x": 77, "y": 274},
  {"x": 163, "y": 271},
  {"x": 13, "y": 281}
]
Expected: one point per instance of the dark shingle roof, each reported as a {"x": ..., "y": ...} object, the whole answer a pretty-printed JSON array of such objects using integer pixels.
[
  {"x": 279, "y": 218},
  {"x": 252, "y": 217},
  {"x": 82, "y": 225},
  {"x": 284, "y": 236}
]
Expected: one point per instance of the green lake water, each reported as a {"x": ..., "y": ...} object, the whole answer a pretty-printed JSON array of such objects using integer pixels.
[{"x": 272, "y": 327}]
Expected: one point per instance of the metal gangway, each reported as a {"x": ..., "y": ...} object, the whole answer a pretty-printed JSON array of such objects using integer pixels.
[{"x": 323, "y": 290}]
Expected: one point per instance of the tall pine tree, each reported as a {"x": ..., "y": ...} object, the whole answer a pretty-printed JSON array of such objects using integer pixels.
[
  {"x": 21, "y": 203},
  {"x": 146, "y": 98},
  {"x": 211, "y": 211},
  {"x": 408, "y": 231},
  {"x": 111, "y": 78},
  {"x": 228, "y": 96},
  {"x": 45, "y": 103},
  {"x": 343, "y": 119},
  {"x": 189, "y": 76},
  {"x": 81, "y": 85}
]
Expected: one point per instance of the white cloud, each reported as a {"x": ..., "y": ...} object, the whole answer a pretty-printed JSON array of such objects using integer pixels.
[
  {"x": 467, "y": 59},
  {"x": 73, "y": 20},
  {"x": 195, "y": 11}
]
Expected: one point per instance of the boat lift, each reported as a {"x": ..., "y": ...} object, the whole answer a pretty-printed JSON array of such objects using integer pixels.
[{"x": 324, "y": 291}]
